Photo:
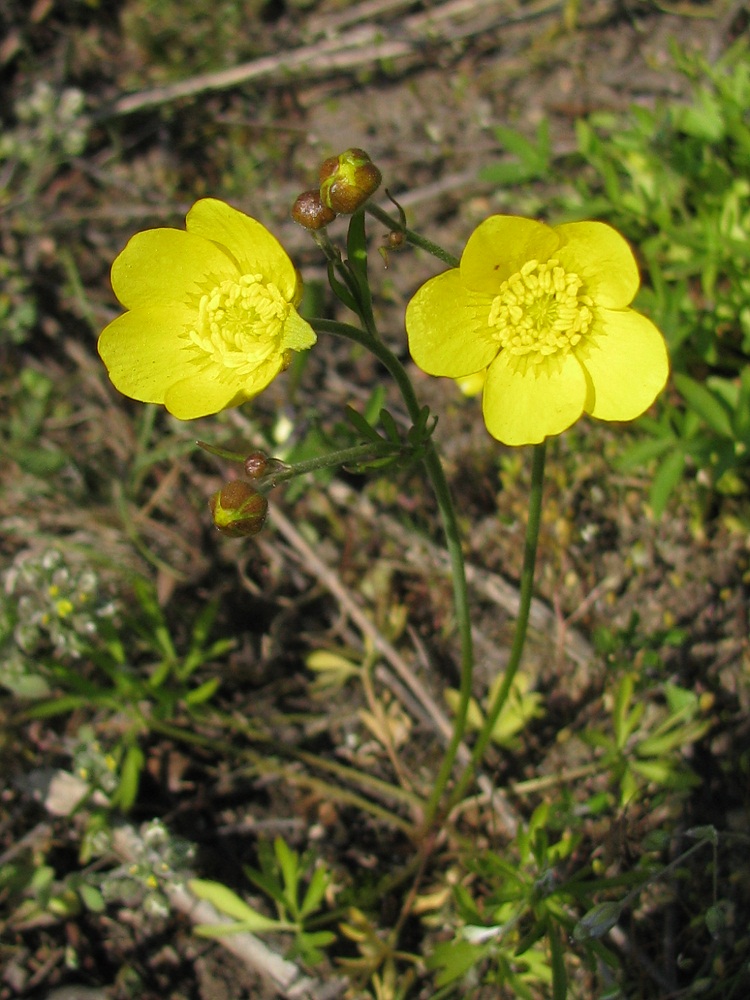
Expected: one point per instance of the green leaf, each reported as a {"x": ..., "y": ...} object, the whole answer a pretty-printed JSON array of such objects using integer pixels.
[
  {"x": 702, "y": 120},
  {"x": 27, "y": 687},
  {"x": 707, "y": 405},
  {"x": 218, "y": 931},
  {"x": 203, "y": 692},
  {"x": 340, "y": 290},
  {"x": 290, "y": 871},
  {"x": 92, "y": 898},
  {"x": 454, "y": 959},
  {"x": 422, "y": 429},
  {"x": 661, "y": 772},
  {"x": 130, "y": 776},
  {"x": 682, "y": 735},
  {"x": 204, "y": 623},
  {"x": 229, "y": 903},
  {"x": 362, "y": 425},
  {"x": 356, "y": 248},
  {"x": 681, "y": 699},
  {"x": 625, "y": 719},
  {"x": 666, "y": 479},
  {"x": 557, "y": 953},
  {"x": 390, "y": 427},
  {"x": 600, "y": 919},
  {"x": 315, "y": 892},
  {"x": 643, "y": 452},
  {"x": 48, "y": 709},
  {"x": 375, "y": 404},
  {"x": 532, "y": 159}
]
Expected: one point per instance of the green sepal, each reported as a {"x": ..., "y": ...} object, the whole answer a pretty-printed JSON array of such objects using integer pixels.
[
  {"x": 340, "y": 290},
  {"x": 356, "y": 249}
]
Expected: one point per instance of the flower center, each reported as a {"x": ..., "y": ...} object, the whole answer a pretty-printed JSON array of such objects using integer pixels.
[
  {"x": 540, "y": 312},
  {"x": 240, "y": 323}
]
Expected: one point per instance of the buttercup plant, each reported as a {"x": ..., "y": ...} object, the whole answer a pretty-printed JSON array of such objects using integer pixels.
[{"x": 535, "y": 317}]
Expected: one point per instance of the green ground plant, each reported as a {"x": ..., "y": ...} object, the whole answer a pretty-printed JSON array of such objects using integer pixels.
[
  {"x": 68, "y": 646},
  {"x": 296, "y": 886}
]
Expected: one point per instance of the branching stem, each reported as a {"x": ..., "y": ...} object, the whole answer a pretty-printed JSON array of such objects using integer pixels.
[
  {"x": 416, "y": 240},
  {"x": 436, "y": 474}
]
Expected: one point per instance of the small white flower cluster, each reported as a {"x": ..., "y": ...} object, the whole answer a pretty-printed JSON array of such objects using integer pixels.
[
  {"x": 47, "y": 606},
  {"x": 49, "y": 121},
  {"x": 92, "y": 763},
  {"x": 158, "y": 856}
]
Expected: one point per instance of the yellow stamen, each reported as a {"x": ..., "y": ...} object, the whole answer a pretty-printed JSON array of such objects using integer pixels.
[
  {"x": 540, "y": 312},
  {"x": 240, "y": 324}
]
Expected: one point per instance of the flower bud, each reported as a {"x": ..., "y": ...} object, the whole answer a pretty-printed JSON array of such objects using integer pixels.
[
  {"x": 310, "y": 212},
  {"x": 348, "y": 180},
  {"x": 238, "y": 509},
  {"x": 256, "y": 464}
]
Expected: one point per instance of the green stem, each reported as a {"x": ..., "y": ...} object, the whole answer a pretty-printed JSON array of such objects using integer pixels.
[
  {"x": 442, "y": 492},
  {"x": 524, "y": 607},
  {"x": 416, "y": 240},
  {"x": 283, "y": 472},
  {"x": 360, "y": 303},
  {"x": 333, "y": 459}
]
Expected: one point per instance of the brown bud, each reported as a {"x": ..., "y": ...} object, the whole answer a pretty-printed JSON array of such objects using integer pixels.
[
  {"x": 310, "y": 212},
  {"x": 256, "y": 464},
  {"x": 348, "y": 180},
  {"x": 328, "y": 167},
  {"x": 238, "y": 510}
]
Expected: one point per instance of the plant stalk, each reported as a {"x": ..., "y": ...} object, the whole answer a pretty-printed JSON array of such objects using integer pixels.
[
  {"x": 416, "y": 240},
  {"x": 519, "y": 639},
  {"x": 436, "y": 474}
]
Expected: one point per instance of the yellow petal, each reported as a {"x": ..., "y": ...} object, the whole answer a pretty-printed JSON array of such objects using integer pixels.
[
  {"x": 198, "y": 396},
  {"x": 626, "y": 363},
  {"x": 168, "y": 265},
  {"x": 526, "y": 408},
  {"x": 143, "y": 351},
  {"x": 603, "y": 259},
  {"x": 447, "y": 327},
  {"x": 297, "y": 334},
  {"x": 215, "y": 388},
  {"x": 254, "y": 249},
  {"x": 472, "y": 385},
  {"x": 500, "y": 246}
]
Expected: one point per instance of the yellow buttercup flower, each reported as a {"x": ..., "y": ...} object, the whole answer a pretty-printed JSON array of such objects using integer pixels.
[
  {"x": 545, "y": 311},
  {"x": 211, "y": 314}
]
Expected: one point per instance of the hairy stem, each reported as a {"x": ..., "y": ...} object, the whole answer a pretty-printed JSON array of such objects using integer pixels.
[
  {"x": 519, "y": 639},
  {"x": 436, "y": 474},
  {"x": 395, "y": 225}
]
